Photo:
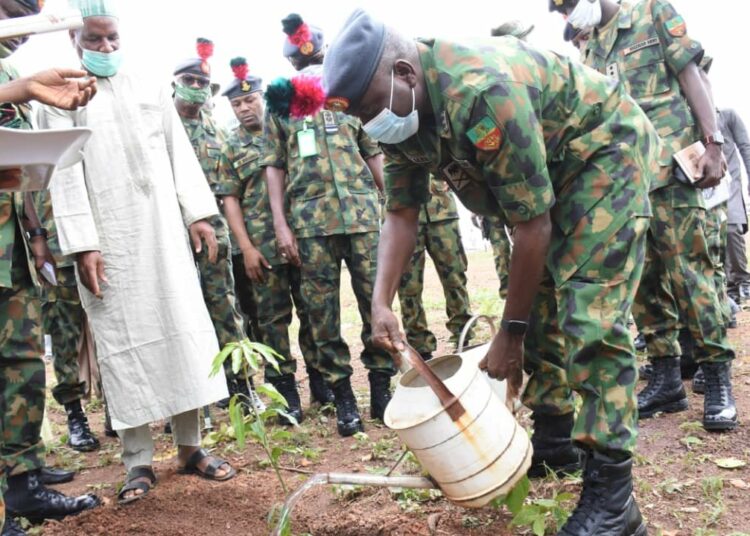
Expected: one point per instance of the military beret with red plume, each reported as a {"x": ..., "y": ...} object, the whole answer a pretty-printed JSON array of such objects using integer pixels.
[
  {"x": 243, "y": 83},
  {"x": 302, "y": 39}
]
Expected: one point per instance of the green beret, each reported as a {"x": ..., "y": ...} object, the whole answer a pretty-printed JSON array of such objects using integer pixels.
[{"x": 352, "y": 59}]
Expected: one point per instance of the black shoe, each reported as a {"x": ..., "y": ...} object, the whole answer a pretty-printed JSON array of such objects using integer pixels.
[
  {"x": 606, "y": 506},
  {"x": 553, "y": 449},
  {"x": 12, "y": 528},
  {"x": 719, "y": 409},
  {"x": 664, "y": 392},
  {"x": 80, "y": 437},
  {"x": 699, "y": 382},
  {"x": 348, "y": 420},
  {"x": 49, "y": 476},
  {"x": 640, "y": 343},
  {"x": 28, "y": 497},
  {"x": 380, "y": 393},
  {"x": 287, "y": 386},
  {"x": 108, "y": 430},
  {"x": 320, "y": 393}
]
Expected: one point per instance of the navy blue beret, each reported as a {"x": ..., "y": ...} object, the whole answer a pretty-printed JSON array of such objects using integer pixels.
[
  {"x": 239, "y": 88},
  {"x": 352, "y": 59},
  {"x": 194, "y": 66},
  {"x": 302, "y": 39}
]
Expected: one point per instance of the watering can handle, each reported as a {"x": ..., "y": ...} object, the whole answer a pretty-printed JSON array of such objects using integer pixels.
[
  {"x": 450, "y": 402},
  {"x": 470, "y": 324}
]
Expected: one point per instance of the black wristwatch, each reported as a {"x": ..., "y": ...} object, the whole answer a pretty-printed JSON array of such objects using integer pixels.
[
  {"x": 36, "y": 231},
  {"x": 514, "y": 327}
]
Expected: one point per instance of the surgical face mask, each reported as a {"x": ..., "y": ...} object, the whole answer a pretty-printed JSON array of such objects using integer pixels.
[
  {"x": 387, "y": 127},
  {"x": 192, "y": 95},
  {"x": 586, "y": 15},
  {"x": 102, "y": 64}
]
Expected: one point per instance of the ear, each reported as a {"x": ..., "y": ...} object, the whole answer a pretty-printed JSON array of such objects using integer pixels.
[
  {"x": 405, "y": 70},
  {"x": 73, "y": 34}
]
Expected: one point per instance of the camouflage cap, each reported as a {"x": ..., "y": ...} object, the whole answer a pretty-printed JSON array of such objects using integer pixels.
[
  {"x": 352, "y": 60},
  {"x": 514, "y": 28}
]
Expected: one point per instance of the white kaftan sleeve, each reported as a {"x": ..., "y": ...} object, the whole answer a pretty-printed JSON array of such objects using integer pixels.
[
  {"x": 76, "y": 228},
  {"x": 197, "y": 202}
]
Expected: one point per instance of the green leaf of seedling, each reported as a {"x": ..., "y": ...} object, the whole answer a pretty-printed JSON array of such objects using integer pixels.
[
  {"x": 285, "y": 415},
  {"x": 546, "y": 503},
  {"x": 271, "y": 392},
  {"x": 218, "y": 362},
  {"x": 518, "y": 495},
  {"x": 236, "y": 360},
  {"x": 237, "y": 418},
  {"x": 257, "y": 430},
  {"x": 526, "y": 516},
  {"x": 538, "y": 526}
]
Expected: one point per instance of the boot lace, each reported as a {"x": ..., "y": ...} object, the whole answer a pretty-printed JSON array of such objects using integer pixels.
[{"x": 591, "y": 496}]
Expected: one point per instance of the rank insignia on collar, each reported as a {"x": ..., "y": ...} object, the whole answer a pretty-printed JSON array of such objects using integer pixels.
[
  {"x": 676, "y": 26},
  {"x": 485, "y": 135}
]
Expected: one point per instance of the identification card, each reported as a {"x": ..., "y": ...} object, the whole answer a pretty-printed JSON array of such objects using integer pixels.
[{"x": 307, "y": 144}]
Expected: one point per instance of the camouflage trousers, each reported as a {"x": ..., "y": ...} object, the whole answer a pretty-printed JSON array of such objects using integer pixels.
[
  {"x": 62, "y": 320},
  {"x": 217, "y": 283},
  {"x": 578, "y": 341},
  {"x": 321, "y": 281},
  {"x": 494, "y": 230},
  {"x": 274, "y": 299},
  {"x": 243, "y": 290},
  {"x": 442, "y": 241},
  {"x": 679, "y": 285},
  {"x": 22, "y": 378},
  {"x": 716, "y": 227}
]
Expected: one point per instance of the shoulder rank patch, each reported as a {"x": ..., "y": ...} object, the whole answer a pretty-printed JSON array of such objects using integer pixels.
[
  {"x": 676, "y": 26},
  {"x": 485, "y": 135}
]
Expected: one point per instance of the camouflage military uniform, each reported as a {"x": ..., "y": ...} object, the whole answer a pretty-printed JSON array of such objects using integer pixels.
[
  {"x": 646, "y": 46},
  {"x": 62, "y": 314},
  {"x": 521, "y": 132},
  {"x": 241, "y": 176},
  {"x": 333, "y": 211},
  {"x": 22, "y": 380},
  {"x": 440, "y": 236},
  {"x": 217, "y": 280},
  {"x": 493, "y": 229}
]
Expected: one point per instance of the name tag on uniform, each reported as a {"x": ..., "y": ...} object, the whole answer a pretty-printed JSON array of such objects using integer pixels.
[
  {"x": 640, "y": 46},
  {"x": 331, "y": 122},
  {"x": 245, "y": 160},
  {"x": 613, "y": 71},
  {"x": 418, "y": 158},
  {"x": 306, "y": 142}
]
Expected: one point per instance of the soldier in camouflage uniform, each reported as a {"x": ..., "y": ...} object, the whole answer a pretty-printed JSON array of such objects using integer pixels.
[
  {"x": 23, "y": 250},
  {"x": 647, "y": 48},
  {"x": 271, "y": 282},
  {"x": 564, "y": 155},
  {"x": 192, "y": 90},
  {"x": 328, "y": 188},
  {"x": 63, "y": 318},
  {"x": 440, "y": 236}
]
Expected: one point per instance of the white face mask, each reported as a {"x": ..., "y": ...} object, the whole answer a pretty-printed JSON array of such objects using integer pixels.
[
  {"x": 586, "y": 15},
  {"x": 387, "y": 127}
]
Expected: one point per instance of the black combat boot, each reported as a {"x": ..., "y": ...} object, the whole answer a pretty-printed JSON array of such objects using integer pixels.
[
  {"x": 348, "y": 420},
  {"x": 287, "y": 386},
  {"x": 688, "y": 366},
  {"x": 380, "y": 393},
  {"x": 320, "y": 393},
  {"x": 27, "y": 497},
  {"x": 719, "y": 410},
  {"x": 640, "y": 343},
  {"x": 699, "y": 382},
  {"x": 606, "y": 506},
  {"x": 553, "y": 448},
  {"x": 80, "y": 437},
  {"x": 664, "y": 392},
  {"x": 49, "y": 476},
  {"x": 12, "y": 528}
]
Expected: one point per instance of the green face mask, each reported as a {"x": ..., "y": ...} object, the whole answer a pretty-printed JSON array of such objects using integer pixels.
[
  {"x": 5, "y": 51},
  {"x": 192, "y": 95}
]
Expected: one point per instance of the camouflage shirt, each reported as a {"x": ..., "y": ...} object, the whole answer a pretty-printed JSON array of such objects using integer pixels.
[
  {"x": 206, "y": 139},
  {"x": 241, "y": 176},
  {"x": 331, "y": 192},
  {"x": 441, "y": 206},
  {"x": 646, "y": 46},
  {"x": 512, "y": 131},
  {"x": 11, "y": 204}
]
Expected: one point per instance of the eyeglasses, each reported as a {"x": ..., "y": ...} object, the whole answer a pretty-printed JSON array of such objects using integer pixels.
[{"x": 190, "y": 80}]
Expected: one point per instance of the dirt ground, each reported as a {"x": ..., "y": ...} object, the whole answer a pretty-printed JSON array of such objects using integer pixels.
[{"x": 680, "y": 484}]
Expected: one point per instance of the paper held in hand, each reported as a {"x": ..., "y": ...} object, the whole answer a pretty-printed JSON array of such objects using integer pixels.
[
  {"x": 688, "y": 159},
  {"x": 37, "y": 153}
]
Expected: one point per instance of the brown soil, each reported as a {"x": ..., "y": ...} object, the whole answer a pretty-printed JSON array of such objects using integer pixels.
[{"x": 670, "y": 475}]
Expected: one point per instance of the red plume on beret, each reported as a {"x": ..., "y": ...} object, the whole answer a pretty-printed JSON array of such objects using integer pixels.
[
  {"x": 301, "y": 36},
  {"x": 205, "y": 48},
  {"x": 239, "y": 68},
  {"x": 309, "y": 96}
]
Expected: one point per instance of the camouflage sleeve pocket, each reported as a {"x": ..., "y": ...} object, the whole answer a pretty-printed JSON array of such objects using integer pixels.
[{"x": 526, "y": 198}]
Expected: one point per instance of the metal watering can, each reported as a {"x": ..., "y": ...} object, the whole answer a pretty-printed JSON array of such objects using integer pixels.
[{"x": 454, "y": 419}]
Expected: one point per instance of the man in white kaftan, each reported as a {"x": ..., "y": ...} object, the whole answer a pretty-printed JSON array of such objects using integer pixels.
[{"x": 123, "y": 212}]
